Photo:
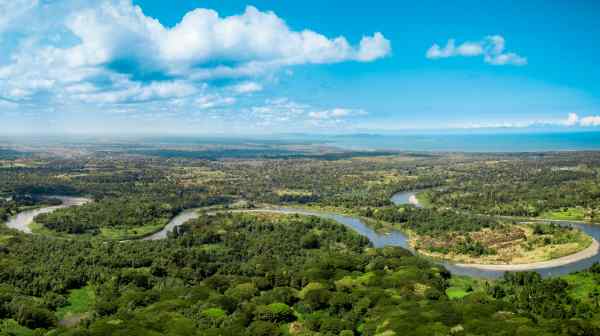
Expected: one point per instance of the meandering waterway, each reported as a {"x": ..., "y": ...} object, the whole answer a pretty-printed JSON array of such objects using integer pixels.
[
  {"x": 22, "y": 220},
  {"x": 559, "y": 266}
]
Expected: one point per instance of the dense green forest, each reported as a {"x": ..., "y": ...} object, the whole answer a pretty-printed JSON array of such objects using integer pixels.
[
  {"x": 108, "y": 214},
  {"x": 267, "y": 275},
  {"x": 258, "y": 274},
  {"x": 543, "y": 185}
]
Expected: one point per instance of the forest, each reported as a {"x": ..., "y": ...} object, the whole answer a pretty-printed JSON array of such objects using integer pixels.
[
  {"x": 540, "y": 186},
  {"x": 108, "y": 216},
  {"x": 268, "y": 275},
  {"x": 272, "y": 274}
]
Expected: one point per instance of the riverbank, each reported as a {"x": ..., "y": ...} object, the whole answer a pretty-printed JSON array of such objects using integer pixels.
[
  {"x": 589, "y": 252},
  {"x": 397, "y": 238},
  {"x": 510, "y": 244},
  {"x": 392, "y": 236}
]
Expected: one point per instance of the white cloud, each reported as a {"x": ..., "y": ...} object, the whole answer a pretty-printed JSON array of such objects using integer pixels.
[
  {"x": 587, "y": 121},
  {"x": 572, "y": 119},
  {"x": 247, "y": 87},
  {"x": 590, "y": 121},
  {"x": 131, "y": 92},
  {"x": 491, "y": 47},
  {"x": 109, "y": 55},
  {"x": 121, "y": 31},
  {"x": 450, "y": 50},
  {"x": 372, "y": 48},
  {"x": 289, "y": 114},
  {"x": 336, "y": 113},
  {"x": 214, "y": 101}
]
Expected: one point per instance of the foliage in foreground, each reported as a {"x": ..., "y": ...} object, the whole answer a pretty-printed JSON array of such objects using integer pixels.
[{"x": 248, "y": 274}]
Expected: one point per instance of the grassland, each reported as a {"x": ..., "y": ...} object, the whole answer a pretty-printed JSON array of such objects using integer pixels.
[
  {"x": 80, "y": 303},
  {"x": 575, "y": 213},
  {"x": 462, "y": 286}
]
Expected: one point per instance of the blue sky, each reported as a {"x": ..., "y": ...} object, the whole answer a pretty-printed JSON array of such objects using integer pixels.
[{"x": 237, "y": 67}]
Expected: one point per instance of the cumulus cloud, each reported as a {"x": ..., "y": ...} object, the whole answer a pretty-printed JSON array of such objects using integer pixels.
[
  {"x": 372, "y": 48},
  {"x": 120, "y": 32},
  {"x": 102, "y": 55},
  {"x": 492, "y": 48}
]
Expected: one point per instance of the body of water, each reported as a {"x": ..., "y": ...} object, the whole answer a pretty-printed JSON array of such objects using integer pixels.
[
  {"x": 22, "y": 220},
  {"x": 473, "y": 142},
  {"x": 394, "y": 238}
]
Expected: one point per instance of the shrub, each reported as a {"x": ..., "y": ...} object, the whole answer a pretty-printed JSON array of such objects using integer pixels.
[
  {"x": 242, "y": 292},
  {"x": 263, "y": 328},
  {"x": 317, "y": 298},
  {"x": 275, "y": 312},
  {"x": 310, "y": 241}
]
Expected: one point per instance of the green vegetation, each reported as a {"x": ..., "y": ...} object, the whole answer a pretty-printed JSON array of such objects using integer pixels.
[
  {"x": 424, "y": 200},
  {"x": 468, "y": 238},
  {"x": 111, "y": 218},
  {"x": 10, "y": 327},
  {"x": 79, "y": 302},
  {"x": 460, "y": 286},
  {"x": 270, "y": 274},
  {"x": 264, "y": 280},
  {"x": 577, "y": 214},
  {"x": 548, "y": 185}
]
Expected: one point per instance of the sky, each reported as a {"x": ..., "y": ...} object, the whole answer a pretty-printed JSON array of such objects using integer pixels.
[{"x": 263, "y": 67}]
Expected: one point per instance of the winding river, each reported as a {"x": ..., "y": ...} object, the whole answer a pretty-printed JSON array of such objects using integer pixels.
[
  {"x": 555, "y": 267},
  {"x": 560, "y": 266},
  {"x": 22, "y": 220}
]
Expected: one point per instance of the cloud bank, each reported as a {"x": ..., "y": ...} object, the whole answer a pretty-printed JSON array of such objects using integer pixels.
[
  {"x": 492, "y": 48},
  {"x": 572, "y": 120},
  {"x": 588, "y": 121}
]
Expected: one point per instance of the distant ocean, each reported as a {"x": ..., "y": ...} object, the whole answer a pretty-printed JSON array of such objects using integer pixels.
[{"x": 496, "y": 142}]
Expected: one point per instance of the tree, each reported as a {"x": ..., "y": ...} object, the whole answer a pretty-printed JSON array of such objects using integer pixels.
[{"x": 595, "y": 296}]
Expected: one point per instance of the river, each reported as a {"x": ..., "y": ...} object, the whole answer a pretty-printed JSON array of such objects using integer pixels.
[
  {"x": 22, "y": 220},
  {"x": 546, "y": 269},
  {"x": 394, "y": 238}
]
